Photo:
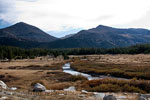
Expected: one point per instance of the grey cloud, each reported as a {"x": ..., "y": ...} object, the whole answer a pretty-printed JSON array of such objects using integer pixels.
[
  {"x": 28, "y": 0},
  {"x": 3, "y": 8},
  {"x": 58, "y": 15},
  {"x": 6, "y": 5},
  {"x": 143, "y": 22},
  {"x": 104, "y": 17},
  {"x": 8, "y": 11}
]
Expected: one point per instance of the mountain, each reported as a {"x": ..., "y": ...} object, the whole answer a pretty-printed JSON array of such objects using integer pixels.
[
  {"x": 103, "y": 37},
  {"x": 28, "y": 36},
  {"x": 25, "y": 32},
  {"x": 24, "y": 35},
  {"x": 67, "y": 36}
]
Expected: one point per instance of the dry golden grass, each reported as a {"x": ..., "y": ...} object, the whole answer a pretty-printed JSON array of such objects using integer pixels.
[
  {"x": 116, "y": 59},
  {"x": 128, "y": 66},
  {"x": 114, "y": 85},
  {"x": 59, "y": 86},
  {"x": 22, "y": 73},
  {"x": 29, "y": 62}
]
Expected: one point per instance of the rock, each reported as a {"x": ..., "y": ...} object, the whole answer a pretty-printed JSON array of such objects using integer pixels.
[
  {"x": 61, "y": 94},
  {"x": 13, "y": 88},
  {"x": 72, "y": 88},
  {"x": 3, "y": 85},
  {"x": 66, "y": 66},
  {"x": 83, "y": 91},
  {"x": 9, "y": 93},
  {"x": 39, "y": 88},
  {"x": 145, "y": 95},
  {"x": 49, "y": 90},
  {"x": 3, "y": 98},
  {"x": 109, "y": 97},
  {"x": 125, "y": 93},
  {"x": 142, "y": 98},
  {"x": 121, "y": 97},
  {"x": 99, "y": 95},
  {"x": 81, "y": 96}
]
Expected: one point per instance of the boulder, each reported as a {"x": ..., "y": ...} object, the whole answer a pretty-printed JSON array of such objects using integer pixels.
[
  {"x": 39, "y": 88},
  {"x": 109, "y": 97},
  {"x": 49, "y": 91},
  {"x": 66, "y": 66},
  {"x": 142, "y": 98},
  {"x": 99, "y": 95},
  {"x": 72, "y": 88},
  {"x": 145, "y": 95},
  {"x": 13, "y": 88},
  {"x": 4, "y": 98},
  {"x": 3, "y": 85},
  {"x": 85, "y": 92}
]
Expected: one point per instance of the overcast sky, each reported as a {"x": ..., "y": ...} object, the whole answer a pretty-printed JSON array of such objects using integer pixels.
[{"x": 61, "y": 17}]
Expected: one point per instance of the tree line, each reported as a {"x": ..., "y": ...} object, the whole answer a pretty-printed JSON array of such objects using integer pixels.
[{"x": 8, "y": 52}]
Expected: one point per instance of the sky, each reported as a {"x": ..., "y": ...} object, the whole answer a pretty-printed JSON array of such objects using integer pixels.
[{"x": 62, "y": 17}]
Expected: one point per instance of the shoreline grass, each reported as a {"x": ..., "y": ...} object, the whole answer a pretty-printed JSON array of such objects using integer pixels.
[
  {"x": 117, "y": 70},
  {"x": 114, "y": 85}
]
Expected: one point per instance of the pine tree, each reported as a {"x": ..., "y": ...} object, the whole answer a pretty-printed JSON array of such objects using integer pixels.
[
  {"x": 65, "y": 56},
  {"x": 9, "y": 55}
]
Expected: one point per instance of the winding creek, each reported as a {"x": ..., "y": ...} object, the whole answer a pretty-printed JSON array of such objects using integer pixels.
[{"x": 67, "y": 69}]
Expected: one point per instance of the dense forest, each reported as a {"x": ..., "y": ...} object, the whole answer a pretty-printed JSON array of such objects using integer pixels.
[{"x": 7, "y": 52}]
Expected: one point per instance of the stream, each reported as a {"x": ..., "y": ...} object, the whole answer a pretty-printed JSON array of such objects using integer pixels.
[{"x": 67, "y": 69}]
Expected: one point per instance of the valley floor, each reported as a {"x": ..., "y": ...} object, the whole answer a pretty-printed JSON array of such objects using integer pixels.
[{"x": 48, "y": 71}]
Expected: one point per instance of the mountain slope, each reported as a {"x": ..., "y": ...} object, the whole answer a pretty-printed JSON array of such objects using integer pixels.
[
  {"x": 103, "y": 37},
  {"x": 25, "y": 32},
  {"x": 67, "y": 36}
]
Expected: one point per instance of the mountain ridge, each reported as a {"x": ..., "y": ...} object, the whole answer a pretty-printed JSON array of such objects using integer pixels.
[
  {"x": 98, "y": 37},
  {"x": 104, "y": 37}
]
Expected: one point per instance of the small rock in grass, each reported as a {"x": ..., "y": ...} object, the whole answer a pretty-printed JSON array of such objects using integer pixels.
[
  {"x": 142, "y": 98},
  {"x": 39, "y": 88},
  {"x": 72, "y": 88},
  {"x": 109, "y": 97},
  {"x": 3, "y": 85},
  {"x": 83, "y": 91}
]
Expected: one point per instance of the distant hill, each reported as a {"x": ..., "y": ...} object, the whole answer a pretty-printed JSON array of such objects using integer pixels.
[{"x": 103, "y": 37}]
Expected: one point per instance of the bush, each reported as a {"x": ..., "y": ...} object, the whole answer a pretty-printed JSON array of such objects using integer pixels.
[
  {"x": 32, "y": 57},
  {"x": 2, "y": 76},
  {"x": 18, "y": 57},
  {"x": 77, "y": 77},
  {"x": 114, "y": 85},
  {"x": 128, "y": 88},
  {"x": 106, "y": 88},
  {"x": 59, "y": 86}
]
